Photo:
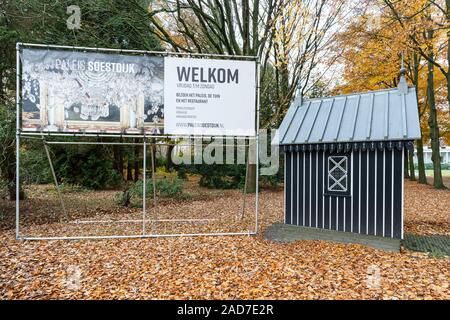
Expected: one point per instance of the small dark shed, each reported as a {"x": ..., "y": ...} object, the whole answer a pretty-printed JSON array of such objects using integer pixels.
[{"x": 344, "y": 159}]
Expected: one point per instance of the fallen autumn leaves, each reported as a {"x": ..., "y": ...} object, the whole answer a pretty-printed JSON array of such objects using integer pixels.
[{"x": 230, "y": 267}]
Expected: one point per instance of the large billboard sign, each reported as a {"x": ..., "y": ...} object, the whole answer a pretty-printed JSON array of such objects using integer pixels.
[{"x": 83, "y": 92}]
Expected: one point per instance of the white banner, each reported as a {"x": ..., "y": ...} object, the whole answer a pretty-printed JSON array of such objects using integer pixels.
[{"x": 209, "y": 97}]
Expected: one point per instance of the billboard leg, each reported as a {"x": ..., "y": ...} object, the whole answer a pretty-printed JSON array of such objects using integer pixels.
[
  {"x": 55, "y": 180},
  {"x": 144, "y": 167},
  {"x": 152, "y": 157},
  {"x": 258, "y": 88},
  {"x": 17, "y": 185},
  {"x": 17, "y": 140},
  {"x": 245, "y": 186}
]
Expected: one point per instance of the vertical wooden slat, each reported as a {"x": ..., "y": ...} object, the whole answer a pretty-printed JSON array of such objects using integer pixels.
[
  {"x": 323, "y": 188},
  {"x": 380, "y": 194},
  {"x": 351, "y": 192},
  {"x": 388, "y": 194},
  {"x": 307, "y": 189},
  {"x": 371, "y": 192},
  {"x": 359, "y": 193},
  {"x": 403, "y": 196},
  {"x": 337, "y": 213},
  {"x": 304, "y": 190},
  {"x": 345, "y": 218},
  {"x": 317, "y": 188},
  {"x": 384, "y": 192},
  {"x": 288, "y": 188},
  {"x": 301, "y": 199},
  {"x": 367, "y": 191},
  {"x": 330, "y": 224},
  {"x": 375, "y": 195},
  {"x": 364, "y": 193},
  {"x": 292, "y": 187},
  {"x": 310, "y": 177},
  {"x": 398, "y": 196},
  {"x": 285, "y": 187},
  {"x": 297, "y": 154},
  {"x": 393, "y": 194}
]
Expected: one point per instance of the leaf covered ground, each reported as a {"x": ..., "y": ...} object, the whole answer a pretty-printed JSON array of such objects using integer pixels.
[{"x": 231, "y": 267}]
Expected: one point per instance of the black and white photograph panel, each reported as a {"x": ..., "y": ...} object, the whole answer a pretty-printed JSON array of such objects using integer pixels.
[{"x": 74, "y": 91}]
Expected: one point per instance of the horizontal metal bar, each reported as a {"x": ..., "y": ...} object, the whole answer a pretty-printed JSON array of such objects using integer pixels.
[
  {"x": 31, "y": 138},
  {"x": 248, "y": 233},
  {"x": 163, "y": 53},
  {"x": 134, "y": 143},
  {"x": 138, "y": 221},
  {"x": 112, "y": 135},
  {"x": 94, "y": 143}
]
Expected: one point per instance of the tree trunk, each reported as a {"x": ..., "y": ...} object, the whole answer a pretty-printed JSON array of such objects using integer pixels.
[
  {"x": 251, "y": 175},
  {"x": 153, "y": 150},
  {"x": 118, "y": 159},
  {"x": 448, "y": 53},
  {"x": 2, "y": 91},
  {"x": 406, "y": 166},
  {"x": 421, "y": 163},
  {"x": 419, "y": 143},
  {"x": 129, "y": 169},
  {"x": 448, "y": 85},
  {"x": 412, "y": 172},
  {"x": 432, "y": 120},
  {"x": 12, "y": 193},
  {"x": 169, "y": 164},
  {"x": 136, "y": 163},
  {"x": 10, "y": 177},
  {"x": 251, "y": 178}
]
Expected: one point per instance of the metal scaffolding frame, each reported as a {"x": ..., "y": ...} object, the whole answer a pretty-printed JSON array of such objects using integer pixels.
[{"x": 144, "y": 234}]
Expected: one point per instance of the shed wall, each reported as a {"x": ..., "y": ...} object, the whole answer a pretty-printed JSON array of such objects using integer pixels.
[{"x": 375, "y": 203}]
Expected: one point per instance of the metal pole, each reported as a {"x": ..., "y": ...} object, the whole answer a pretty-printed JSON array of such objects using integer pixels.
[
  {"x": 152, "y": 157},
  {"x": 257, "y": 145},
  {"x": 117, "y": 143},
  {"x": 17, "y": 139},
  {"x": 95, "y": 143},
  {"x": 245, "y": 185},
  {"x": 158, "y": 53},
  {"x": 246, "y": 233},
  {"x": 113, "y": 135},
  {"x": 55, "y": 180},
  {"x": 144, "y": 187},
  {"x": 140, "y": 221}
]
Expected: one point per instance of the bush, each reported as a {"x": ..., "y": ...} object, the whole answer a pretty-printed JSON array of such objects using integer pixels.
[
  {"x": 166, "y": 188},
  {"x": 123, "y": 198},
  {"x": 219, "y": 176},
  {"x": 170, "y": 188},
  {"x": 87, "y": 166},
  {"x": 34, "y": 168},
  {"x": 275, "y": 179},
  {"x": 136, "y": 190},
  {"x": 429, "y": 166},
  {"x": 272, "y": 181},
  {"x": 70, "y": 188}
]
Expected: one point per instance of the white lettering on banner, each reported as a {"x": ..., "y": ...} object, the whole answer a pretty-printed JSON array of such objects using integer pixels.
[
  {"x": 97, "y": 66},
  {"x": 101, "y": 66}
]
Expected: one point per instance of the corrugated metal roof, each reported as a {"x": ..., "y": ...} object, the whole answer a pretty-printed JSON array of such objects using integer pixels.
[{"x": 381, "y": 115}]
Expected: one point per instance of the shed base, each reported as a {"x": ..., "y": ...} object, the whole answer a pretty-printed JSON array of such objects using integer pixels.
[{"x": 287, "y": 233}]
